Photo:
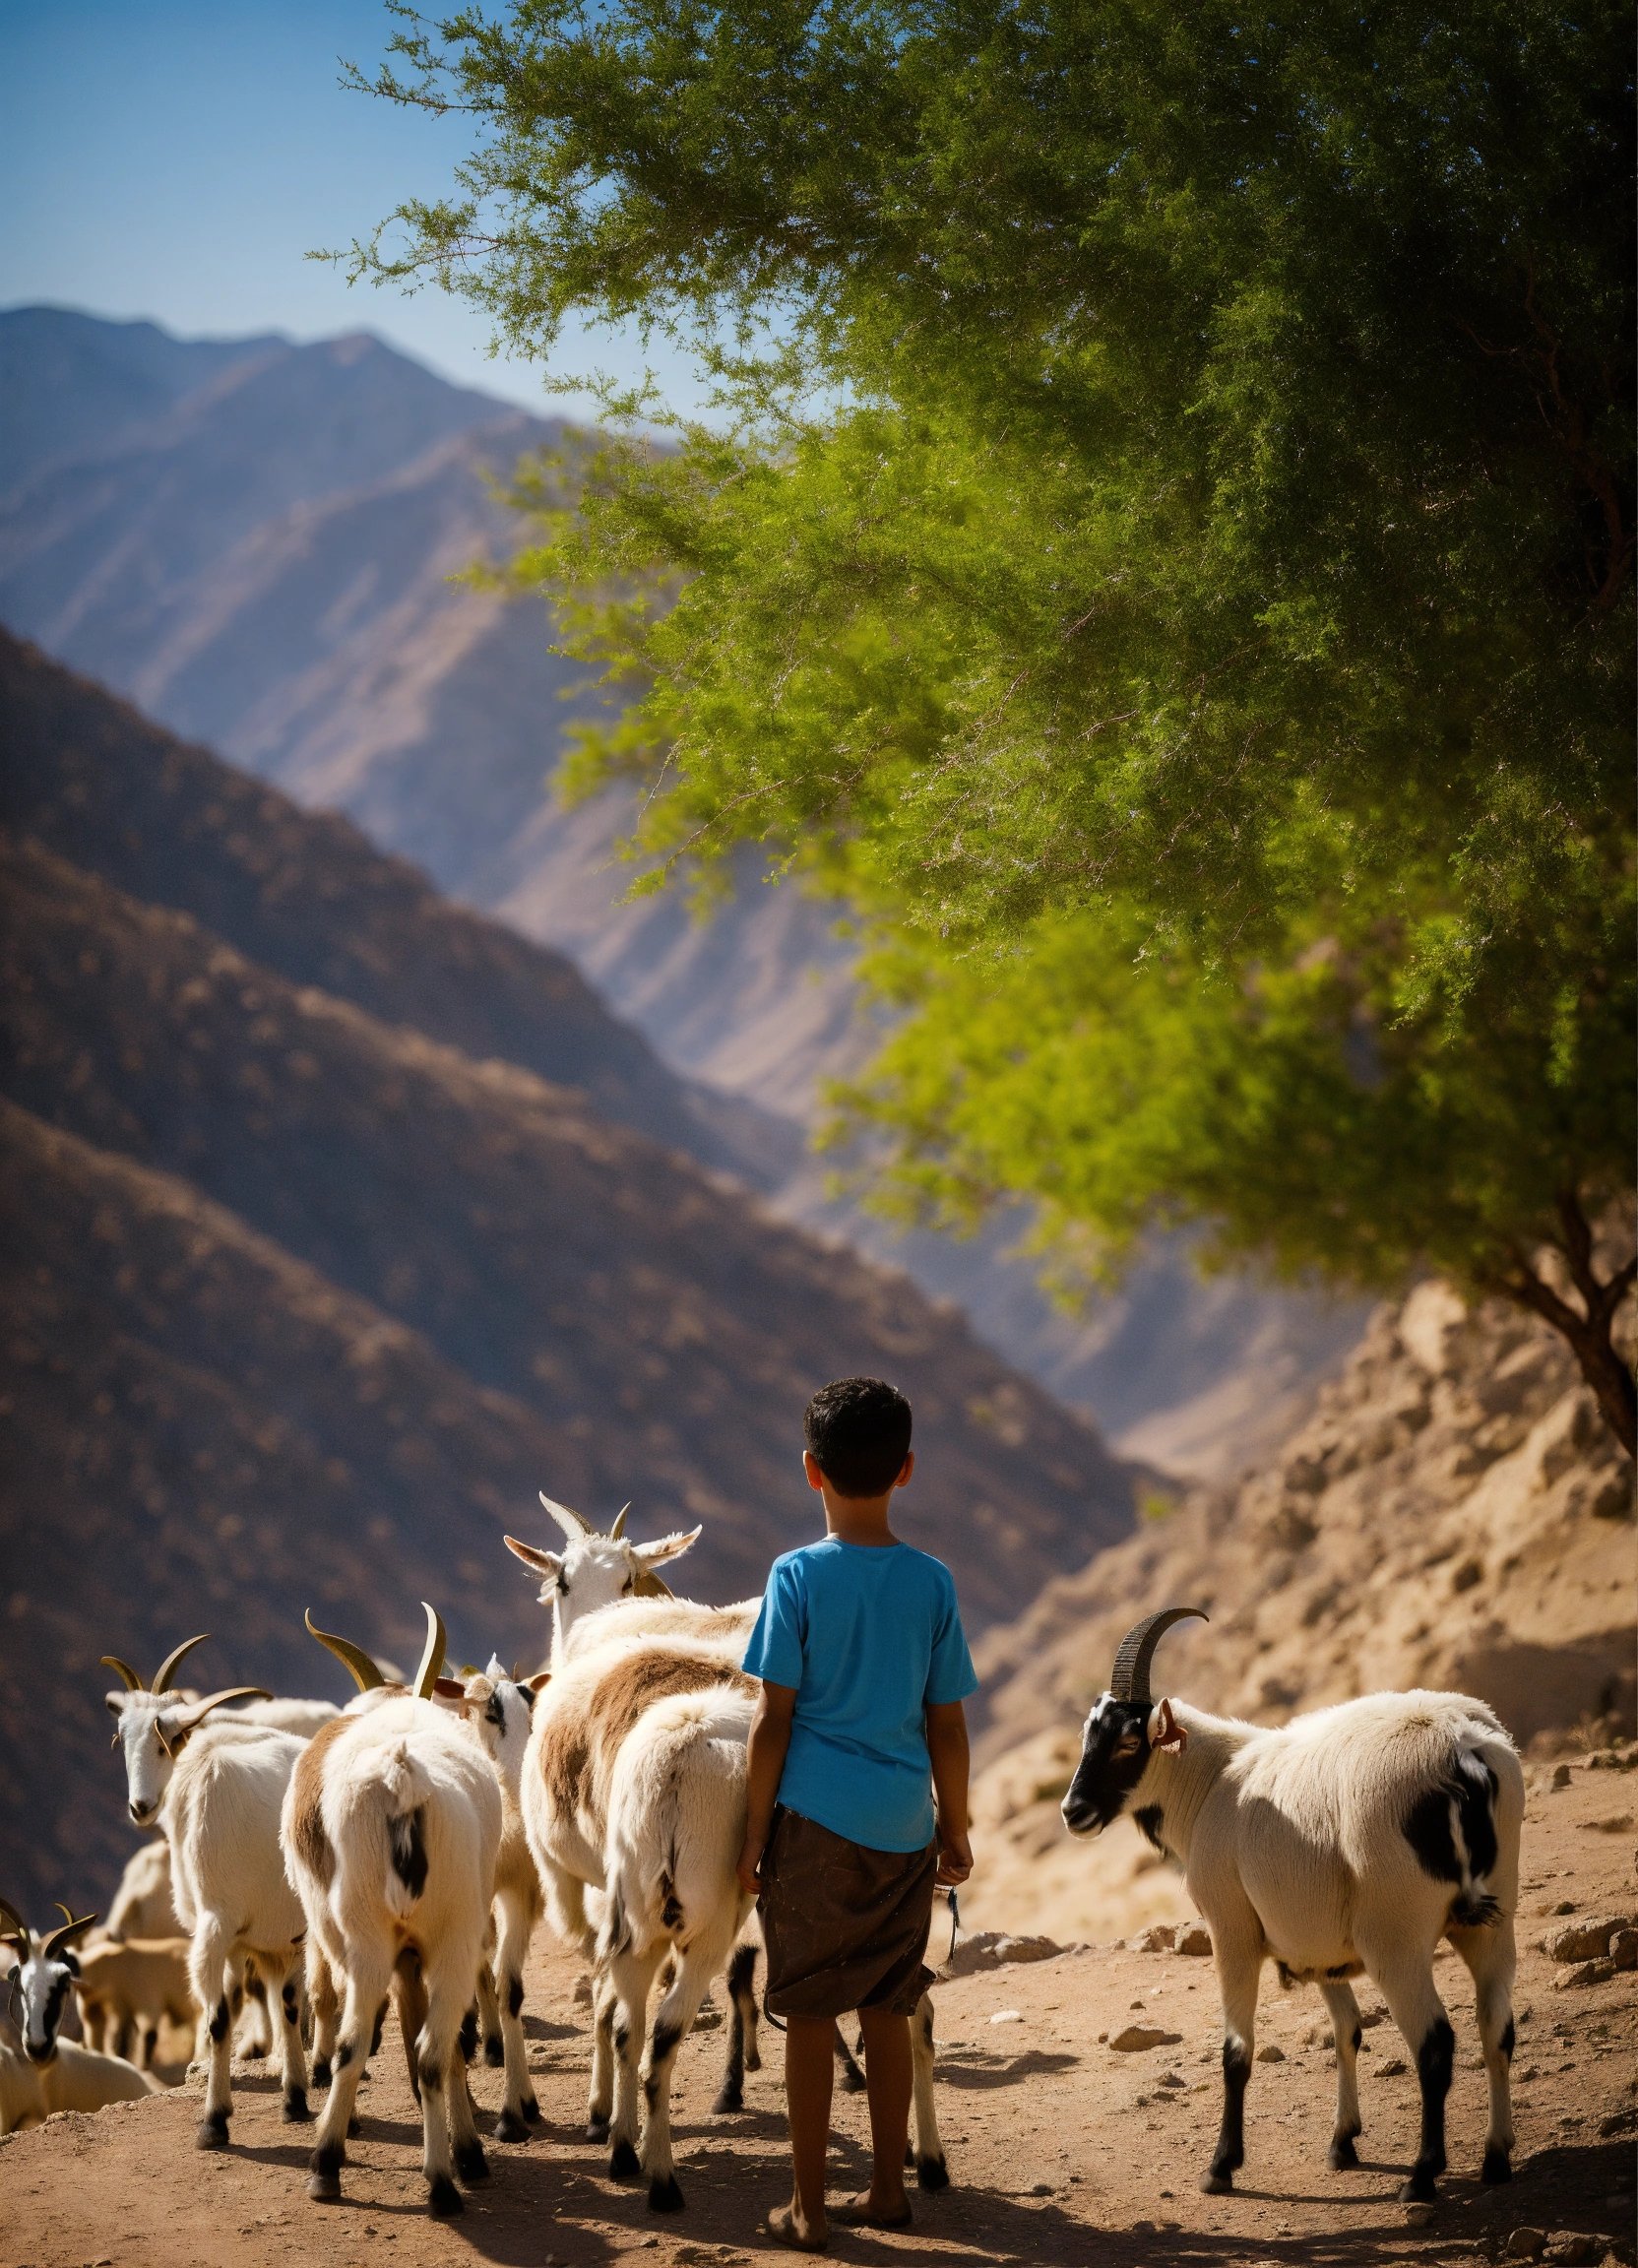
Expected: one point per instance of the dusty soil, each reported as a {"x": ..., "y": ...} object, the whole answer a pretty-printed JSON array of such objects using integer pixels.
[{"x": 1061, "y": 2149}]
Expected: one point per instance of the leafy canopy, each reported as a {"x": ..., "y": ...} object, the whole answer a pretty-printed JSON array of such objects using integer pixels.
[{"x": 1163, "y": 553}]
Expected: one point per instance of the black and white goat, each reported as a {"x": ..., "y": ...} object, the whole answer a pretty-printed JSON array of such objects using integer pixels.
[
  {"x": 391, "y": 1831},
  {"x": 39, "y": 1990},
  {"x": 1348, "y": 1841},
  {"x": 215, "y": 1790}
]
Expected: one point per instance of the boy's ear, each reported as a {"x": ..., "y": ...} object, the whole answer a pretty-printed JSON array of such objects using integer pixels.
[
  {"x": 810, "y": 1465},
  {"x": 906, "y": 1469}
]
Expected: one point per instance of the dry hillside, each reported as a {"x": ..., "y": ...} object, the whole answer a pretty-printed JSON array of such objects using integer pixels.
[{"x": 1453, "y": 1514}]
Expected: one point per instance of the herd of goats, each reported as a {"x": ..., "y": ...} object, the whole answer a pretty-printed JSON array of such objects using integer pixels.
[{"x": 314, "y": 1865}]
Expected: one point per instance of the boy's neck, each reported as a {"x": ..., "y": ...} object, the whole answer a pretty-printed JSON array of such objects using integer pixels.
[{"x": 858, "y": 1518}]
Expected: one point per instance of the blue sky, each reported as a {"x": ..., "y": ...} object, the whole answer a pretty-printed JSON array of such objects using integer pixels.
[{"x": 176, "y": 158}]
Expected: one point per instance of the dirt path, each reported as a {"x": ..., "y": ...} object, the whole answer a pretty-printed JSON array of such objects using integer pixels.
[{"x": 1062, "y": 2151}]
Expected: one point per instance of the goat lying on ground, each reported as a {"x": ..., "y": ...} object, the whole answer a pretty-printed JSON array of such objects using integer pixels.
[
  {"x": 217, "y": 1791},
  {"x": 391, "y": 1831},
  {"x": 1350, "y": 1841},
  {"x": 46, "y": 2073}
]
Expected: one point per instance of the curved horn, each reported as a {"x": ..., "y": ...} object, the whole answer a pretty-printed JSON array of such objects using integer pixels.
[
  {"x": 59, "y": 1938},
  {"x": 196, "y": 1712},
  {"x": 432, "y": 1653},
  {"x": 167, "y": 1667},
  {"x": 365, "y": 1676},
  {"x": 1129, "y": 1678},
  {"x": 123, "y": 1669},
  {"x": 574, "y": 1525},
  {"x": 619, "y": 1527},
  {"x": 16, "y": 1926}
]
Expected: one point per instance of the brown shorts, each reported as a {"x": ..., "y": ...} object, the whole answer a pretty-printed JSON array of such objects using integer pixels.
[{"x": 845, "y": 1926}]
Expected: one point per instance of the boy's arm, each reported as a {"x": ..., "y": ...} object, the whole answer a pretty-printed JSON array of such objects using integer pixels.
[
  {"x": 764, "y": 1762},
  {"x": 947, "y": 1750}
]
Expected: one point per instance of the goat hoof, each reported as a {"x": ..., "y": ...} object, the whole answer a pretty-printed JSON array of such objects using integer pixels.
[
  {"x": 596, "y": 2129},
  {"x": 321, "y": 2072},
  {"x": 212, "y": 2131},
  {"x": 509, "y": 2128},
  {"x": 325, "y": 2188},
  {"x": 531, "y": 2110},
  {"x": 623, "y": 2163},
  {"x": 1341, "y": 2157},
  {"x": 494, "y": 2054},
  {"x": 443, "y": 2200},
  {"x": 730, "y": 2100},
  {"x": 296, "y": 2112},
  {"x": 470, "y": 2163},
  {"x": 1497, "y": 2167},
  {"x": 932, "y": 2173},
  {"x": 1420, "y": 2189},
  {"x": 663, "y": 2194},
  {"x": 1215, "y": 2184}
]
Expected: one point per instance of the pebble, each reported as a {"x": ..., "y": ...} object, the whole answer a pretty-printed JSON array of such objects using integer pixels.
[
  {"x": 1008, "y": 2016},
  {"x": 1560, "y": 1779},
  {"x": 1196, "y": 1939},
  {"x": 1272, "y": 2053},
  {"x": 1393, "y": 2068},
  {"x": 1138, "y": 2037},
  {"x": 1524, "y": 2244},
  {"x": 1418, "y": 2216}
]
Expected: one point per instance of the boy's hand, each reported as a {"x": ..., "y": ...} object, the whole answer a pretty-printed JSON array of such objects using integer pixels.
[
  {"x": 954, "y": 1858},
  {"x": 750, "y": 1858}
]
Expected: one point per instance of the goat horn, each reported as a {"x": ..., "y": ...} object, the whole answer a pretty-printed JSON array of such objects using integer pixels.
[
  {"x": 17, "y": 1926},
  {"x": 433, "y": 1654},
  {"x": 619, "y": 1527},
  {"x": 1129, "y": 1678},
  {"x": 365, "y": 1676},
  {"x": 59, "y": 1938},
  {"x": 196, "y": 1711},
  {"x": 167, "y": 1667},
  {"x": 574, "y": 1524},
  {"x": 123, "y": 1669}
]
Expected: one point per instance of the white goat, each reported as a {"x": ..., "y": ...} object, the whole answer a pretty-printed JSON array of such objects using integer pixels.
[
  {"x": 142, "y": 1905},
  {"x": 500, "y": 1709},
  {"x": 76, "y": 2079},
  {"x": 598, "y": 1570},
  {"x": 217, "y": 1792},
  {"x": 1350, "y": 1841},
  {"x": 392, "y": 1827},
  {"x": 128, "y": 1988},
  {"x": 39, "y": 1990}
]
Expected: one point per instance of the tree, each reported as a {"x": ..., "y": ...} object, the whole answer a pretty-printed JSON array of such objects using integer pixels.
[{"x": 1163, "y": 554}]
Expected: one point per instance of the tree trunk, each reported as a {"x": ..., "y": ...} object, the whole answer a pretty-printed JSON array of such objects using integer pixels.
[{"x": 1588, "y": 1329}]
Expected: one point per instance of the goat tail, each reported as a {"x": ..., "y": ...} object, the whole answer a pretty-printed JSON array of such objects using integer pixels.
[{"x": 396, "y": 1787}]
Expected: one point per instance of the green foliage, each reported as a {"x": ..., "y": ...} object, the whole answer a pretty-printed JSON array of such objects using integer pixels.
[{"x": 1164, "y": 556}]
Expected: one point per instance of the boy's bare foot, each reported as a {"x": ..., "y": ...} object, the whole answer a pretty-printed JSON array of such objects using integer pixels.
[
  {"x": 864, "y": 2212},
  {"x": 785, "y": 2229}
]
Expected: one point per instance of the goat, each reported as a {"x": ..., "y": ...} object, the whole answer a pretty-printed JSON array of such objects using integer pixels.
[
  {"x": 1347, "y": 1842},
  {"x": 599, "y": 1570},
  {"x": 76, "y": 2079},
  {"x": 500, "y": 1709},
  {"x": 127, "y": 1988},
  {"x": 391, "y": 1830},
  {"x": 39, "y": 1990},
  {"x": 217, "y": 1791},
  {"x": 142, "y": 1905}
]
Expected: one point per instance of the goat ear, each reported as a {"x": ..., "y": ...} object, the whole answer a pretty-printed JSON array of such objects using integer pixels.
[
  {"x": 665, "y": 1547},
  {"x": 1165, "y": 1731},
  {"x": 543, "y": 1562},
  {"x": 448, "y": 1689},
  {"x": 114, "y": 1704},
  {"x": 538, "y": 1682}
]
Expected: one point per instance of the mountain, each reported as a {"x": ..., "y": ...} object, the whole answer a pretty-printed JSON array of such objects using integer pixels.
[
  {"x": 304, "y": 1301},
  {"x": 1453, "y": 1514},
  {"x": 258, "y": 547}
]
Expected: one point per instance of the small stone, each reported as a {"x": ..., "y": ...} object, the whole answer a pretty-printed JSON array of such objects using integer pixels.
[
  {"x": 1272, "y": 2053},
  {"x": 1571, "y": 2244},
  {"x": 1617, "y": 1823},
  {"x": 1393, "y": 2068},
  {"x": 1138, "y": 2037},
  {"x": 1565, "y": 1906},
  {"x": 1160, "y": 1937},
  {"x": 583, "y": 1992},
  {"x": 1195, "y": 1940},
  {"x": 1621, "y": 2122},
  {"x": 1418, "y": 2216},
  {"x": 1041, "y": 2188},
  {"x": 1624, "y": 1948},
  {"x": 1173, "y": 2079},
  {"x": 1560, "y": 1779},
  {"x": 1008, "y": 2016},
  {"x": 1581, "y": 1973},
  {"x": 1587, "y": 1940},
  {"x": 1524, "y": 2244}
]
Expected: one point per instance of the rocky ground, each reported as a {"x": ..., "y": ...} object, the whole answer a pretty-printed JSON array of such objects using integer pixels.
[{"x": 1063, "y": 2147}]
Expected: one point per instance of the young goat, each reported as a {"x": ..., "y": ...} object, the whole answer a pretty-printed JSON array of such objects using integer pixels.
[
  {"x": 391, "y": 1831},
  {"x": 1347, "y": 1842},
  {"x": 76, "y": 2079},
  {"x": 217, "y": 1791}
]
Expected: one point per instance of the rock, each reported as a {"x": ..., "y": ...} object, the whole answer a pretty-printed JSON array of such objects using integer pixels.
[
  {"x": 1196, "y": 1938},
  {"x": 1624, "y": 1948},
  {"x": 1617, "y": 1823},
  {"x": 1272, "y": 2053},
  {"x": 1587, "y": 1940},
  {"x": 1158, "y": 1939},
  {"x": 1008, "y": 2016},
  {"x": 1618, "y": 2123},
  {"x": 1418, "y": 2216},
  {"x": 1581, "y": 1973},
  {"x": 1571, "y": 2244},
  {"x": 1560, "y": 1775},
  {"x": 1174, "y": 2079},
  {"x": 1393, "y": 2068},
  {"x": 993, "y": 1949},
  {"x": 1524, "y": 2244},
  {"x": 1138, "y": 2037}
]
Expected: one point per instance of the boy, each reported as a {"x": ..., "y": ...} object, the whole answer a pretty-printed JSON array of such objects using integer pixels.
[{"x": 863, "y": 1669}]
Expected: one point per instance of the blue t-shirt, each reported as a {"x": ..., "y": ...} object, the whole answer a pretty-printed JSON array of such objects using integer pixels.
[{"x": 868, "y": 1636}]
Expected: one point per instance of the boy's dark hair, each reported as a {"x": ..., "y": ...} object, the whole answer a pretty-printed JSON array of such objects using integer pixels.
[{"x": 859, "y": 1430}]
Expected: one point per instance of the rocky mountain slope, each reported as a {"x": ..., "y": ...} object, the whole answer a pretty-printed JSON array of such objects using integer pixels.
[
  {"x": 1454, "y": 1514},
  {"x": 305, "y": 1302},
  {"x": 255, "y": 540}
]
